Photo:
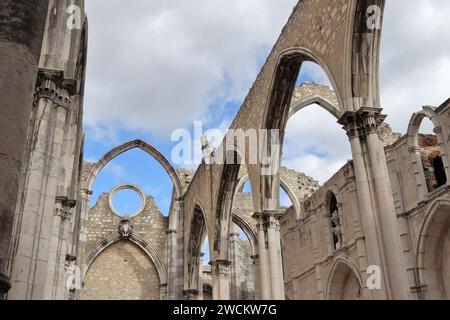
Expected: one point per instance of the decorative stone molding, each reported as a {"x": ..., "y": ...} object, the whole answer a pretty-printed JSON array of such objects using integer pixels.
[
  {"x": 221, "y": 267},
  {"x": 191, "y": 294},
  {"x": 63, "y": 207},
  {"x": 129, "y": 186},
  {"x": 363, "y": 122},
  {"x": 52, "y": 84},
  {"x": 125, "y": 229}
]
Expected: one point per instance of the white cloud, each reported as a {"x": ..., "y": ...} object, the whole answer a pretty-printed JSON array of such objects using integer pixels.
[
  {"x": 315, "y": 144},
  {"x": 158, "y": 65},
  {"x": 415, "y": 58}
]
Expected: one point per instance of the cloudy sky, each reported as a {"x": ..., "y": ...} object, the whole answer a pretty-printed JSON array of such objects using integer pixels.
[{"x": 155, "y": 66}]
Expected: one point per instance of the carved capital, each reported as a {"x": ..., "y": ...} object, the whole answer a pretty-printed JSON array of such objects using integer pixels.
[
  {"x": 190, "y": 294},
  {"x": 221, "y": 267},
  {"x": 363, "y": 122},
  {"x": 125, "y": 229},
  {"x": 63, "y": 207},
  {"x": 51, "y": 84}
]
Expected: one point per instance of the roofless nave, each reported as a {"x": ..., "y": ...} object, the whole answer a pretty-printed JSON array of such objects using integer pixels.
[{"x": 384, "y": 214}]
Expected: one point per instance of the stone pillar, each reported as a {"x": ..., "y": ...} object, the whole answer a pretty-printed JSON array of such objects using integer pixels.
[
  {"x": 263, "y": 266},
  {"x": 394, "y": 270},
  {"x": 272, "y": 224},
  {"x": 200, "y": 276},
  {"x": 21, "y": 34},
  {"x": 257, "y": 277},
  {"x": 234, "y": 252},
  {"x": 367, "y": 208},
  {"x": 172, "y": 248},
  {"x": 35, "y": 256},
  {"x": 220, "y": 270}
]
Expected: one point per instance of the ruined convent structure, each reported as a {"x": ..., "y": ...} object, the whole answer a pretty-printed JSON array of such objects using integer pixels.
[{"x": 378, "y": 229}]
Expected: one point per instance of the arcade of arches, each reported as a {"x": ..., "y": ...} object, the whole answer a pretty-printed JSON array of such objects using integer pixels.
[{"x": 388, "y": 206}]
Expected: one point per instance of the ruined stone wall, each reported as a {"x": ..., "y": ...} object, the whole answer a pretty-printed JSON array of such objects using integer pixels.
[
  {"x": 308, "y": 252},
  {"x": 126, "y": 265},
  {"x": 122, "y": 272}
]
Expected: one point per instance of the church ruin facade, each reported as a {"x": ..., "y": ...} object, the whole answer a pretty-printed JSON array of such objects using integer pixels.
[{"x": 378, "y": 229}]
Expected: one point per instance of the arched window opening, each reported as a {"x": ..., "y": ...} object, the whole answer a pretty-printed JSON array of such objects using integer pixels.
[
  {"x": 314, "y": 144},
  {"x": 138, "y": 168},
  {"x": 439, "y": 171},
  {"x": 285, "y": 200},
  {"x": 430, "y": 153},
  {"x": 242, "y": 269},
  {"x": 335, "y": 223}
]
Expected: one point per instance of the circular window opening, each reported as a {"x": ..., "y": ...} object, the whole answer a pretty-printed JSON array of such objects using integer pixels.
[{"x": 127, "y": 202}]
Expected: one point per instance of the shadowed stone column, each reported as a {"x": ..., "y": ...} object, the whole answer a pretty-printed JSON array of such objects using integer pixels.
[
  {"x": 375, "y": 200},
  {"x": 21, "y": 34},
  {"x": 234, "y": 252},
  {"x": 272, "y": 225},
  {"x": 263, "y": 270},
  {"x": 40, "y": 250},
  {"x": 255, "y": 261},
  {"x": 367, "y": 209},
  {"x": 172, "y": 248},
  {"x": 395, "y": 270},
  {"x": 220, "y": 270}
]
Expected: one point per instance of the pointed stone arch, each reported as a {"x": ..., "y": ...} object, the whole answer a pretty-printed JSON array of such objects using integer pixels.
[
  {"x": 142, "y": 244},
  {"x": 414, "y": 148},
  {"x": 149, "y": 149},
  {"x": 343, "y": 279},
  {"x": 432, "y": 264}
]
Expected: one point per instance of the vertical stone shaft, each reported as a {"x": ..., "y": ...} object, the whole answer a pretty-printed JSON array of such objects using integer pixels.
[
  {"x": 36, "y": 254},
  {"x": 366, "y": 208},
  {"x": 387, "y": 216},
  {"x": 21, "y": 34},
  {"x": 275, "y": 260},
  {"x": 263, "y": 260},
  {"x": 234, "y": 252}
]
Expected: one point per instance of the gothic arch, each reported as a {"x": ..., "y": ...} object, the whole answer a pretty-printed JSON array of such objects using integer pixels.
[
  {"x": 278, "y": 108},
  {"x": 342, "y": 279},
  {"x": 152, "y": 151},
  {"x": 324, "y": 102},
  {"x": 416, "y": 121},
  {"x": 197, "y": 233},
  {"x": 226, "y": 191},
  {"x": 432, "y": 264},
  {"x": 333, "y": 192},
  {"x": 248, "y": 230},
  {"x": 142, "y": 244},
  {"x": 413, "y": 146},
  {"x": 283, "y": 184}
]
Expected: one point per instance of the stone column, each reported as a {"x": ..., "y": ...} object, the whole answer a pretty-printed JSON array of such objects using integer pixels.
[
  {"x": 21, "y": 34},
  {"x": 172, "y": 248},
  {"x": 200, "y": 276},
  {"x": 272, "y": 224},
  {"x": 367, "y": 208},
  {"x": 35, "y": 259},
  {"x": 59, "y": 250},
  {"x": 255, "y": 259},
  {"x": 234, "y": 252},
  {"x": 394, "y": 270},
  {"x": 263, "y": 272},
  {"x": 220, "y": 270}
]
